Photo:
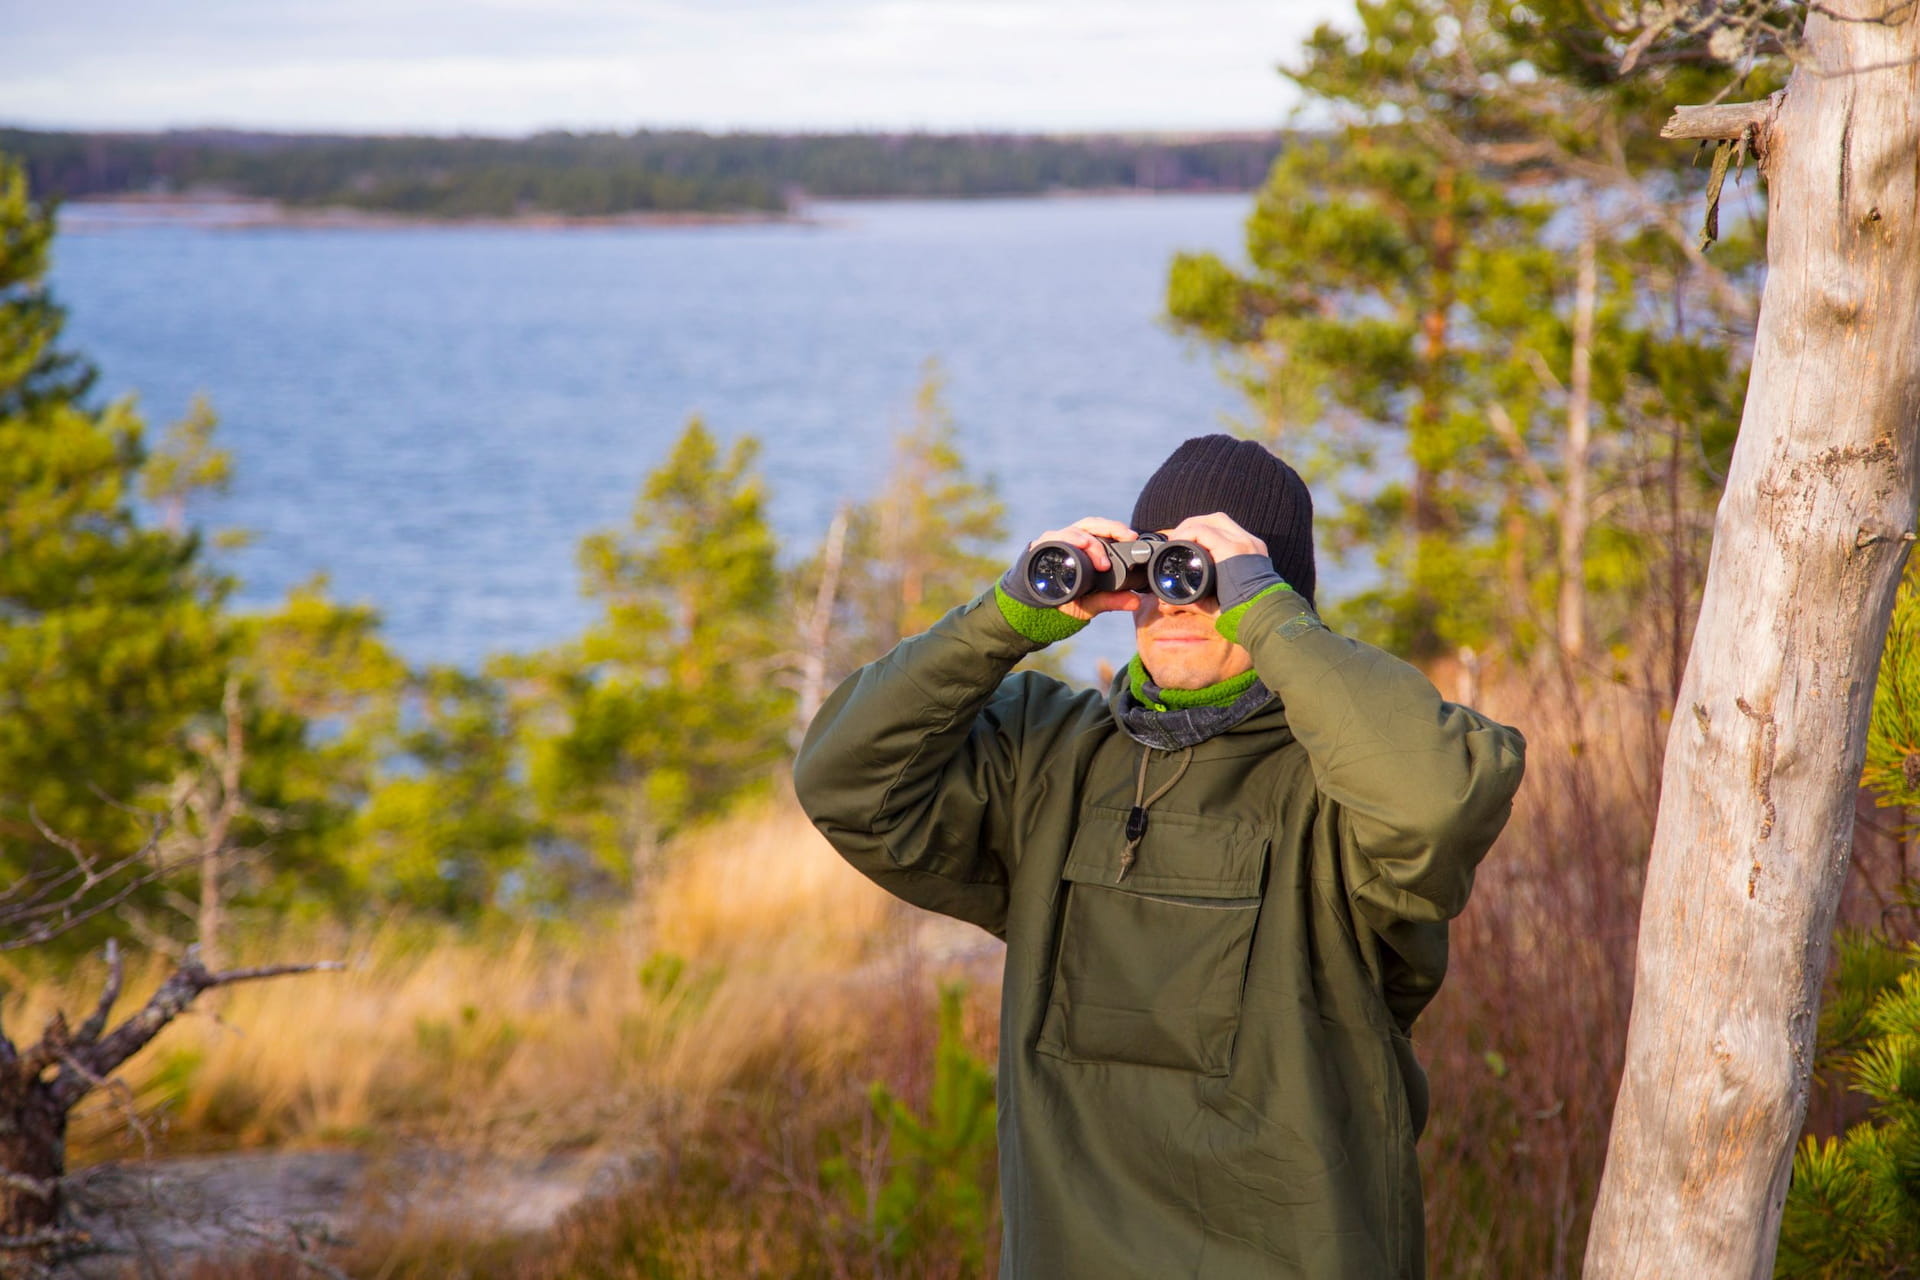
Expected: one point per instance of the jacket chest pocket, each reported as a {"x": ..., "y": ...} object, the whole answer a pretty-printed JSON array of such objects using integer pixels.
[{"x": 1149, "y": 968}]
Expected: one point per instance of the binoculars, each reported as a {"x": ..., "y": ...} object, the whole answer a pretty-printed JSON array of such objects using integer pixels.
[{"x": 1177, "y": 572}]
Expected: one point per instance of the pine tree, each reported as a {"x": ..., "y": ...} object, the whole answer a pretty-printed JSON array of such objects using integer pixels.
[
  {"x": 1445, "y": 289},
  {"x": 447, "y": 819},
  {"x": 1892, "y": 770},
  {"x": 891, "y": 566},
  {"x": 938, "y": 1197},
  {"x": 367, "y": 782},
  {"x": 111, "y": 636},
  {"x": 1370, "y": 255},
  {"x": 668, "y": 708},
  {"x": 1853, "y": 1209},
  {"x": 931, "y": 539}
]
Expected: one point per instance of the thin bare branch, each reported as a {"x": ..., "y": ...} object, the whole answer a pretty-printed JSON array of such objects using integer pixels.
[
  {"x": 55, "y": 903},
  {"x": 116, "y": 971},
  {"x": 81, "y": 858},
  {"x": 86, "y": 1066},
  {"x": 1644, "y": 41},
  {"x": 113, "y": 1087},
  {"x": 1503, "y": 426},
  {"x": 229, "y": 976},
  {"x": 1543, "y": 371}
]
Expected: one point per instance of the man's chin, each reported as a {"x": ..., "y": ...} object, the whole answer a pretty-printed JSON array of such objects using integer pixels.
[{"x": 1177, "y": 675}]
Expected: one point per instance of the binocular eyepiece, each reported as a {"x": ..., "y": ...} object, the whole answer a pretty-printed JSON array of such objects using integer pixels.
[{"x": 1177, "y": 572}]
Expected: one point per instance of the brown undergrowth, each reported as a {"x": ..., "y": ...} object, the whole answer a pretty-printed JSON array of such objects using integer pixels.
[
  {"x": 732, "y": 1029},
  {"x": 1524, "y": 1044}
]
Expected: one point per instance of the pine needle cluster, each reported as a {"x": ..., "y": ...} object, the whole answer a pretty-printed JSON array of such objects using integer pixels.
[
  {"x": 1892, "y": 770},
  {"x": 1854, "y": 1207}
]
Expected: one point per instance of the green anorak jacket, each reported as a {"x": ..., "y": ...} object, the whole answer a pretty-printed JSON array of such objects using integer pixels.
[{"x": 1204, "y": 1066}]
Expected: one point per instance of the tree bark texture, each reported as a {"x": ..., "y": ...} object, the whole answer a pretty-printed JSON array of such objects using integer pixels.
[
  {"x": 1756, "y": 811},
  {"x": 33, "y": 1158},
  {"x": 41, "y": 1084}
]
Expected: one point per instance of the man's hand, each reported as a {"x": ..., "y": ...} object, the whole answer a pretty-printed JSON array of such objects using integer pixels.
[
  {"x": 1087, "y": 534},
  {"x": 1219, "y": 534}
]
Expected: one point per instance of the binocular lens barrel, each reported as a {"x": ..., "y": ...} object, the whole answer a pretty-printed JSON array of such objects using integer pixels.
[
  {"x": 1177, "y": 572},
  {"x": 1182, "y": 573},
  {"x": 1055, "y": 572}
]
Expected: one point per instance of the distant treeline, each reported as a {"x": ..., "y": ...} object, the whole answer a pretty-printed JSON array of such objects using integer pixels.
[{"x": 602, "y": 174}]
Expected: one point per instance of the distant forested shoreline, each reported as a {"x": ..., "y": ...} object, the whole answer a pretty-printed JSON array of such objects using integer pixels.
[{"x": 594, "y": 175}]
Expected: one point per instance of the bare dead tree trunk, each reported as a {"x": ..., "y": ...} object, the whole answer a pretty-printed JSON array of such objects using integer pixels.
[
  {"x": 41, "y": 1084},
  {"x": 1756, "y": 812},
  {"x": 819, "y": 630},
  {"x": 219, "y": 821},
  {"x": 1429, "y": 521},
  {"x": 1577, "y": 451}
]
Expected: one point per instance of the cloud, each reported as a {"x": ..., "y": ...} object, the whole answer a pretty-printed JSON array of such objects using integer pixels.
[{"x": 516, "y": 65}]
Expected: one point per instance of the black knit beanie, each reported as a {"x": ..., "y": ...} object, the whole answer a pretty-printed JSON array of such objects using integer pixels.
[{"x": 1264, "y": 495}]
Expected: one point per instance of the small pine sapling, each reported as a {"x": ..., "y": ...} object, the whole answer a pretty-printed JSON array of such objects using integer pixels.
[{"x": 940, "y": 1185}]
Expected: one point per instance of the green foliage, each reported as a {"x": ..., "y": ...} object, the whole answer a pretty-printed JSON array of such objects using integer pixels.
[
  {"x": 666, "y": 710},
  {"x": 111, "y": 637},
  {"x": 931, "y": 539},
  {"x": 323, "y": 698},
  {"x": 1853, "y": 1210},
  {"x": 1407, "y": 324},
  {"x": 1892, "y": 770},
  {"x": 186, "y": 462},
  {"x": 609, "y": 174},
  {"x": 678, "y": 992},
  {"x": 1417, "y": 254},
  {"x": 938, "y": 1195},
  {"x": 34, "y": 372},
  {"x": 448, "y": 819}
]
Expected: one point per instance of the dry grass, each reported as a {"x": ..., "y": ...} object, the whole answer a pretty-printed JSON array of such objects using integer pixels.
[
  {"x": 731, "y": 1024},
  {"x": 1525, "y": 1042},
  {"x": 552, "y": 1036}
]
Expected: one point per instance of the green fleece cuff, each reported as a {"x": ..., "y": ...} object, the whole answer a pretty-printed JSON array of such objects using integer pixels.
[
  {"x": 1042, "y": 626},
  {"x": 1214, "y": 695},
  {"x": 1228, "y": 623}
]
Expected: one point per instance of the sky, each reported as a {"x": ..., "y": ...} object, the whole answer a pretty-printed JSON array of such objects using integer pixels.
[{"x": 516, "y": 66}]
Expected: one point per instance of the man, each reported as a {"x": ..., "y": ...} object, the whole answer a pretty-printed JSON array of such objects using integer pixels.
[{"x": 1223, "y": 890}]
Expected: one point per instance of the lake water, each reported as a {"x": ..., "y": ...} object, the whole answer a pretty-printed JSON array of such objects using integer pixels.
[{"x": 434, "y": 417}]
